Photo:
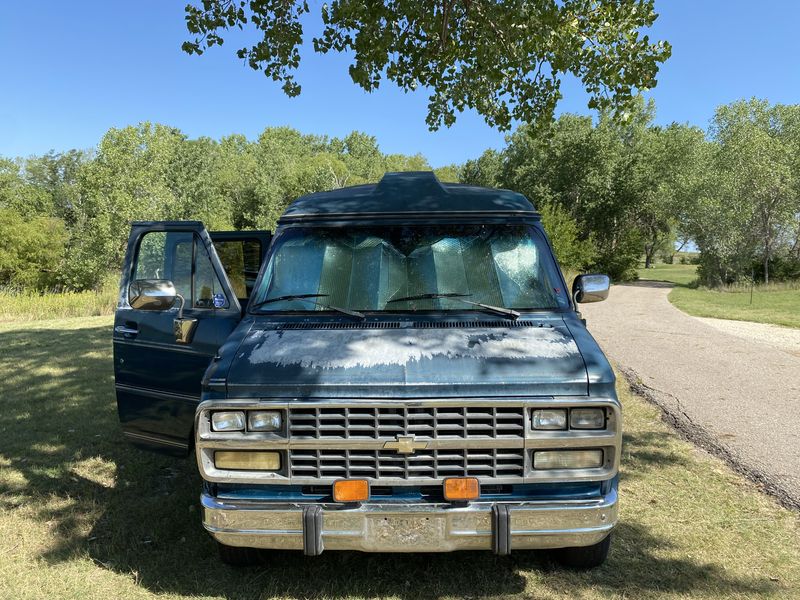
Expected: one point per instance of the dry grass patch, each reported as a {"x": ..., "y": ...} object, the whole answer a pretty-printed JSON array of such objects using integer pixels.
[
  {"x": 19, "y": 305},
  {"x": 83, "y": 515}
]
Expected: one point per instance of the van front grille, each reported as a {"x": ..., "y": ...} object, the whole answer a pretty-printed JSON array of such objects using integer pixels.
[
  {"x": 424, "y": 464},
  {"x": 370, "y": 423}
]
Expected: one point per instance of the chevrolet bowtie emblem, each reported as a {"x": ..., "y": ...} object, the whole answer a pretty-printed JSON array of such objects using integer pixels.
[{"x": 405, "y": 444}]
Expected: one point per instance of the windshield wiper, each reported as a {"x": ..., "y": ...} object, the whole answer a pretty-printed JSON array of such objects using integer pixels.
[
  {"x": 506, "y": 312},
  {"x": 429, "y": 297},
  {"x": 310, "y": 298},
  {"x": 288, "y": 297}
]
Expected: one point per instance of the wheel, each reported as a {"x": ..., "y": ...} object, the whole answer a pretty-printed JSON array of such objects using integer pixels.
[
  {"x": 237, "y": 556},
  {"x": 584, "y": 557}
]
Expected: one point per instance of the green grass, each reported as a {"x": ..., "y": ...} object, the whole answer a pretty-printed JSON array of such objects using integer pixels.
[
  {"x": 83, "y": 515},
  {"x": 18, "y": 305},
  {"x": 776, "y": 304}
]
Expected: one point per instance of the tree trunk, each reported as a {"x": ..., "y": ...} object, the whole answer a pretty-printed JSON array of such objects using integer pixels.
[
  {"x": 650, "y": 251},
  {"x": 767, "y": 256}
]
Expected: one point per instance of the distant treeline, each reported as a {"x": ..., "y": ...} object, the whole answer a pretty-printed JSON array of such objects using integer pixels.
[
  {"x": 65, "y": 218},
  {"x": 612, "y": 192},
  {"x": 609, "y": 191}
]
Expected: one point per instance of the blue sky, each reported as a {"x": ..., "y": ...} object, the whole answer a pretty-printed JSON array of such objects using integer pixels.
[{"x": 71, "y": 70}]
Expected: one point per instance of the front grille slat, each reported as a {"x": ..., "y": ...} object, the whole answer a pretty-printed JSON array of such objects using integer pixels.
[
  {"x": 480, "y": 422},
  {"x": 424, "y": 464}
]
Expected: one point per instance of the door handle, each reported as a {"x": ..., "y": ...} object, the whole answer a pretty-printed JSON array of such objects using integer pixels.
[{"x": 124, "y": 330}]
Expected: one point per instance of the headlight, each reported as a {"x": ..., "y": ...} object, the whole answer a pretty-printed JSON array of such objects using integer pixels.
[
  {"x": 228, "y": 420},
  {"x": 550, "y": 418},
  {"x": 239, "y": 460},
  {"x": 587, "y": 418},
  {"x": 263, "y": 420},
  {"x": 567, "y": 459}
]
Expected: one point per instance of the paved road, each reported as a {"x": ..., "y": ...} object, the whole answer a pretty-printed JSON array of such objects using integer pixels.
[{"x": 734, "y": 395}]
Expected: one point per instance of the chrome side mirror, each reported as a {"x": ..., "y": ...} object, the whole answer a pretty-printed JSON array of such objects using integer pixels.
[
  {"x": 590, "y": 288},
  {"x": 153, "y": 294},
  {"x": 160, "y": 294}
]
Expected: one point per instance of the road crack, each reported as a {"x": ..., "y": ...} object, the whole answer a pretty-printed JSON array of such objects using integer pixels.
[{"x": 695, "y": 433}]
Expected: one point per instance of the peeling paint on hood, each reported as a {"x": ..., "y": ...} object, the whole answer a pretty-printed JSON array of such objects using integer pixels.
[
  {"x": 409, "y": 362},
  {"x": 372, "y": 348}
]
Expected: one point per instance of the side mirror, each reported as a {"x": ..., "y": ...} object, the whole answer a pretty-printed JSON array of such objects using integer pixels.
[
  {"x": 152, "y": 294},
  {"x": 590, "y": 288},
  {"x": 160, "y": 294}
]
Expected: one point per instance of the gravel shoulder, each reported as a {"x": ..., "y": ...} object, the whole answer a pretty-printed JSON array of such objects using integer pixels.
[
  {"x": 732, "y": 387},
  {"x": 783, "y": 338}
]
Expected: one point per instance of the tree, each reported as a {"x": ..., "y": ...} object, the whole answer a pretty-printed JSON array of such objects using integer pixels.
[
  {"x": 662, "y": 178},
  {"x": 504, "y": 59},
  {"x": 448, "y": 173},
  {"x": 10, "y": 182},
  {"x": 484, "y": 171},
  {"x": 55, "y": 176},
  {"x": 127, "y": 180},
  {"x": 583, "y": 169},
  {"x": 749, "y": 212},
  {"x": 606, "y": 190}
]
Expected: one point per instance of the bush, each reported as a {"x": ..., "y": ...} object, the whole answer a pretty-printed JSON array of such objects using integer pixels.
[
  {"x": 31, "y": 250},
  {"x": 620, "y": 259},
  {"x": 781, "y": 268},
  {"x": 572, "y": 253}
]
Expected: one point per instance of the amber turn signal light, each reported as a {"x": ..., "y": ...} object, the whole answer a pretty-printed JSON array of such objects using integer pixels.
[
  {"x": 351, "y": 490},
  {"x": 461, "y": 488}
]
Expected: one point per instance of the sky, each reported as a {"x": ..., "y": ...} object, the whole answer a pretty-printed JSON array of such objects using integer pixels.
[{"x": 69, "y": 71}]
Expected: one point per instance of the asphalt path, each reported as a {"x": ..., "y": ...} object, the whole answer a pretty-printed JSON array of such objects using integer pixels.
[{"x": 734, "y": 390}]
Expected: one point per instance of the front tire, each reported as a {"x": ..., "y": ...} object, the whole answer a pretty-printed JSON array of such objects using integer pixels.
[
  {"x": 237, "y": 556},
  {"x": 584, "y": 557}
]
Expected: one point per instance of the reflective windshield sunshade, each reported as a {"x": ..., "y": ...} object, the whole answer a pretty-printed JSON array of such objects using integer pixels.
[{"x": 366, "y": 268}]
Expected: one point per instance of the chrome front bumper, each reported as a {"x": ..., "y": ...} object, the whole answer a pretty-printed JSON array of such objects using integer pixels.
[{"x": 418, "y": 527}]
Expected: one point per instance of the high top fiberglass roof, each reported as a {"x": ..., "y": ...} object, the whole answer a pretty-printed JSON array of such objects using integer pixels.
[{"x": 401, "y": 194}]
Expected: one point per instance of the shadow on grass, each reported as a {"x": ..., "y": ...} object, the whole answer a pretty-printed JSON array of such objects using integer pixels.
[
  {"x": 650, "y": 283},
  {"x": 136, "y": 513},
  {"x": 660, "y": 283},
  {"x": 647, "y": 451}
]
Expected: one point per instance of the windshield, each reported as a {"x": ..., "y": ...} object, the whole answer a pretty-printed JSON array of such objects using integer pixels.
[{"x": 391, "y": 268}]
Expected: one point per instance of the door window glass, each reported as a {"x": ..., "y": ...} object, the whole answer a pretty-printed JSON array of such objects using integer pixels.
[
  {"x": 166, "y": 255},
  {"x": 207, "y": 286},
  {"x": 182, "y": 265},
  {"x": 241, "y": 260},
  {"x": 180, "y": 257},
  {"x": 150, "y": 260}
]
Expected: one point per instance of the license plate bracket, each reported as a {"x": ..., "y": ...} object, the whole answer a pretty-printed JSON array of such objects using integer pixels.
[{"x": 406, "y": 533}]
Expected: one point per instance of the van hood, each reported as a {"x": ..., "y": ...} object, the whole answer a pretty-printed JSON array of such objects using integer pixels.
[{"x": 304, "y": 360}]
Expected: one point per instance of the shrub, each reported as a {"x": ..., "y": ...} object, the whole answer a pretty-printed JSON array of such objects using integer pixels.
[
  {"x": 573, "y": 254},
  {"x": 31, "y": 250}
]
